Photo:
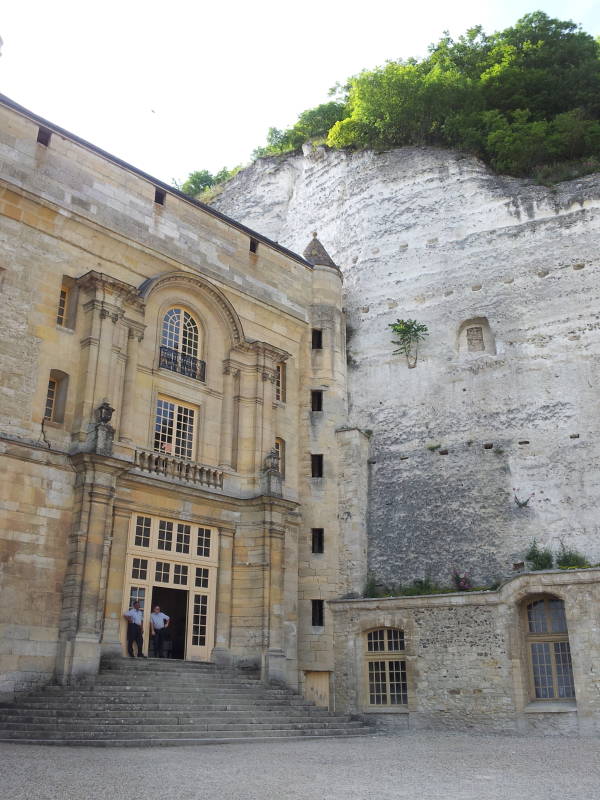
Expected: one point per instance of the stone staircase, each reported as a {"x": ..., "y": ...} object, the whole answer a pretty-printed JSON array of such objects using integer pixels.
[{"x": 148, "y": 702}]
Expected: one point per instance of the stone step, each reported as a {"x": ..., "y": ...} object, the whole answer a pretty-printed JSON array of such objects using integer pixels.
[
  {"x": 146, "y": 702},
  {"x": 118, "y": 726},
  {"x": 249, "y": 707},
  {"x": 83, "y": 715},
  {"x": 184, "y": 741},
  {"x": 92, "y": 737}
]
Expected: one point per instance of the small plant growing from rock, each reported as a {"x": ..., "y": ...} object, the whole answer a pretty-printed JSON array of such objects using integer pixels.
[
  {"x": 409, "y": 333},
  {"x": 539, "y": 558},
  {"x": 461, "y": 582},
  {"x": 567, "y": 558}
]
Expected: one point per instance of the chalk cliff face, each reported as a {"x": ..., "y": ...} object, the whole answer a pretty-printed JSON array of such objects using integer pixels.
[{"x": 492, "y": 439}]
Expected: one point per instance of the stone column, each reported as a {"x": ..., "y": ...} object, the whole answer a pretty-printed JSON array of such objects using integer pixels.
[
  {"x": 247, "y": 444},
  {"x": 106, "y": 366},
  {"x": 227, "y": 418},
  {"x": 111, "y": 633},
  {"x": 275, "y": 657},
  {"x": 85, "y": 581},
  {"x": 126, "y": 430},
  {"x": 221, "y": 653}
]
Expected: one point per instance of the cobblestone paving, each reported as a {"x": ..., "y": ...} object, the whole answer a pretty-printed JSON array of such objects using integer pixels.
[{"x": 416, "y": 766}]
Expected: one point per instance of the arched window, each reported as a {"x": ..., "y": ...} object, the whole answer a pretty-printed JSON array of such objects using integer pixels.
[
  {"x": 386, "y": 668},
  {"x": 180, "y": 343},
  {"x": 548, "y": 648}
]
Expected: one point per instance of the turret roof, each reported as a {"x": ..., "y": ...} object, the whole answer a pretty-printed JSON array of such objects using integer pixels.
[{"x": 315, "y": 253}]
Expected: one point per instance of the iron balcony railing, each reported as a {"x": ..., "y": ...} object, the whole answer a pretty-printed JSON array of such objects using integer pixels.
[{"x": 182, "y": 363}]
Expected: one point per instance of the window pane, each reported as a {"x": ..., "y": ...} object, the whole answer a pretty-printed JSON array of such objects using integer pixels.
[
  {"x": 136, "y": 593},
  {"x": 189, "y": 342},
  {"x": 139, "y": 569},
  {"x": 163, "y": 428},
  {"x": 558, "y": 620},
  {"x": 203, "y": 548},
  {"x": 142, "y": 532},
  {"x": 397, "y": 680},
  {"x": 201, "y": 577},
  {"x": 180, "y": 574},
  {"x": 542, "y": 670},
  {"x": 536, "y": 614},
  {"x": 377, "y": 688},
  {"x": 171, "y": 329},
  {"x": 162, "y": 572},
  {"x": 50, "y": 400},
  {"x": 199, "y": 620},
  {"x": 376, "y": 641},
  {"x": 183, "y": 539},
  {"x": 564, "y": 671},
  {"x": 395, "y": 639},
  {"x": 62, "y": 307},
  {"x": 184, "y": 432},
  {"x": 165, "y": 535}
]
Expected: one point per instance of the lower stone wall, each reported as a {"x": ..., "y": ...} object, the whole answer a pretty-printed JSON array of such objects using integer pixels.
[
  {"x": 36, "y": 497},
  {"x": 467, "y": 659}
]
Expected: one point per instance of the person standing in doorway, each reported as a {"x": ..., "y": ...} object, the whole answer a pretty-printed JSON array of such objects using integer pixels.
[
  {"x": 159, "y": 623},
  {"x": 135, "y": 618}
]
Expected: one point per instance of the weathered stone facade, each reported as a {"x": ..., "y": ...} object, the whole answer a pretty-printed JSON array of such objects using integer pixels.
[
  {"x": 467, "y": 661},
  {"x": 433, "y": 235},
  {"x": 101, "y": 486}
]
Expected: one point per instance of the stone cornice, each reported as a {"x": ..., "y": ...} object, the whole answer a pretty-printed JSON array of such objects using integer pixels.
[{"x": 93, "y": 281}]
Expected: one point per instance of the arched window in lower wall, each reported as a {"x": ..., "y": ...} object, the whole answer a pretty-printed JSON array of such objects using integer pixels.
[
  {"x": 551, "y": 674},
  {"x": 386, "y": 668}
]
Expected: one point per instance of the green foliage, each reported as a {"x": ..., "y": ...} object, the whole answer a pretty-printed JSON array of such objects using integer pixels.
[
  {"x": 371, "y": 587},
  {"x": 539, "y": 558},
  {"x": 521, "y": 98},
  {"x": 409, "y": 333},
  {"x": 200, "y": 181},
  {"x": 567, "y": 558},
  {"x": 314, "y": 122},
  {"x": 423, "y": 586}
]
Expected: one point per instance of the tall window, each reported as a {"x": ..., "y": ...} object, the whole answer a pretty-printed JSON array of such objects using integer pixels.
[
  {"x": 174, "y": 428},
  {"x": 67, "y": 301},
  {"x": 316, "y": 465},
  {"x": 56, "y": 396},
  {"x": 50, "y": 399},
  {"x": 280, "y": 387},
  {"x": 280, "y": 450},
  {"x": 63, "y": 301},
  {"x": 549, "y": 651},
  {"x": 318, "y": 540},
  {"x": 386, "y": 668},
  {"x": 179, "y": 344},
  {"x": 317, "y": 613}
]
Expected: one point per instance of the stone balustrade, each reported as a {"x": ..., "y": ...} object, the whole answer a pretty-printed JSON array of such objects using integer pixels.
[{"x": 179, "y": 469}]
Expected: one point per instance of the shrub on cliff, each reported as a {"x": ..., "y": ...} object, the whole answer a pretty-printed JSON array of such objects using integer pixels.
[{"x": 523, "y": 97}]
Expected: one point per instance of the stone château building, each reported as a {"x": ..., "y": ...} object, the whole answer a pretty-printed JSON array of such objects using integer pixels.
[{"x": 174, "y": 429}]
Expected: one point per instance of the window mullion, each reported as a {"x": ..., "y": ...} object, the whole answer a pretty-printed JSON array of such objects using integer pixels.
[{"x": 388, "y": 692}]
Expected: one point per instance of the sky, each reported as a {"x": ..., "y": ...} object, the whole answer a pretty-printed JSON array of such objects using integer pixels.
[{"x": 174, "y": 87}]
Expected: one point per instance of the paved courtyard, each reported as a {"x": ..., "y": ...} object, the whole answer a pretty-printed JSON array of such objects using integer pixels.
[{"x": 418, "y": 766}]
